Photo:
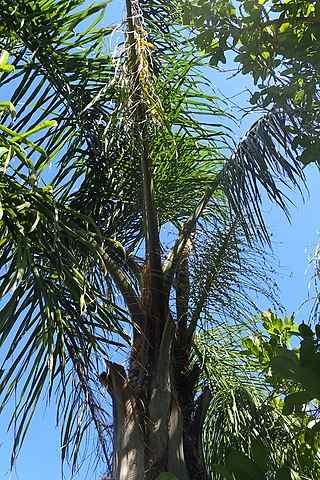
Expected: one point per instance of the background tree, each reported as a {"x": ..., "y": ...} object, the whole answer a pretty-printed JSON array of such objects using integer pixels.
[
  {"x": 90, "y": 274},
  {"x": 292, "y": 373},
  {"x": 276, "y": 43}
]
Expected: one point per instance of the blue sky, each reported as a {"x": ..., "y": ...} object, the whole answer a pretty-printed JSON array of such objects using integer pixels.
[{"x": 293, "y": 244}]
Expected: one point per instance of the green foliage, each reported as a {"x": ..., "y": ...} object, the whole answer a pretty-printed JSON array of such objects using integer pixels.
[
  {"x": 246, "y": 434},
  {"x": 46, "y": 288},
  {"x": 54, "y": 313},
  {"x": 293, "y": 374},
  {"x": 276, "y": 42},
  {"x": 298, "y": 366}
]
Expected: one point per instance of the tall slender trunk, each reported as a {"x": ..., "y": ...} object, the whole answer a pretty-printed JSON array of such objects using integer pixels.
[{"x": 157, "y": 420}]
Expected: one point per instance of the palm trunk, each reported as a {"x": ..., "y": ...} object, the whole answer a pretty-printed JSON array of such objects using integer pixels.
[
  {"x": 157, "y": 421},
  {"x": 157, "y": 424}
]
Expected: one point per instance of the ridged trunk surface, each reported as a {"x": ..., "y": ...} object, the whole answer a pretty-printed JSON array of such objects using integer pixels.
[{"x": 157, "y": 419}]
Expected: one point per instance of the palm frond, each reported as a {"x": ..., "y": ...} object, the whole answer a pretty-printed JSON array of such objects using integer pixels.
[
  {"x": 52, "y": 312},
  {"x": 229, "y": 277},
  {"x": 184, "y": 152},
  {"x": 264, "y": 162},
  {"x": 59, "y": 71}
]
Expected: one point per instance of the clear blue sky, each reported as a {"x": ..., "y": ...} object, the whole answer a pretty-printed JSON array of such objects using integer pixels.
[{"x": 293, "y": 244}]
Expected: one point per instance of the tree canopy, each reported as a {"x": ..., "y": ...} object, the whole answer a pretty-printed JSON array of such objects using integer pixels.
[{"x": 276, "y": 43}]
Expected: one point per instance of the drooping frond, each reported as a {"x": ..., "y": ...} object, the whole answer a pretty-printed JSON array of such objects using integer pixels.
[
  {"x": 264, "y": 163},
  {"x": 57, "y": 316},
  {"x": 53, "y": 313},
  {"x": 60, "y": 69},
  {"x": 229, "y": 277}
]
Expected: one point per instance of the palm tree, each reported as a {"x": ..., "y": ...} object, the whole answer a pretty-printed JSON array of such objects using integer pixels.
[{"x": 147, "y": 232}]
